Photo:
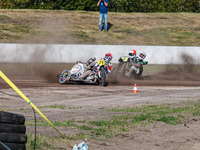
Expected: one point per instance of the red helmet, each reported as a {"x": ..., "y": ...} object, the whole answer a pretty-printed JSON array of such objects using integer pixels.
[
  {"x": 108, "y": 57},
  {"x": 132, "y": 53}
]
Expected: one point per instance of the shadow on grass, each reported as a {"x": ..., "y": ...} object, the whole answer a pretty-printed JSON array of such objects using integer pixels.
[{"x": 109, "y": 26}]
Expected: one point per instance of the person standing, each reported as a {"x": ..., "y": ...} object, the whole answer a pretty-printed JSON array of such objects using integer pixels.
[{"x": 103, "y": 14}]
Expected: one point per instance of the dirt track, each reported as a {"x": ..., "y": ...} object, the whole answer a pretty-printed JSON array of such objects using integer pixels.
[{"x": 91, "y": 103}]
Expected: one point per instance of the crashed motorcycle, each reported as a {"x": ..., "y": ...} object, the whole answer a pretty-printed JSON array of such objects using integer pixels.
[
  {"x": 124, "y": 67},
  {"x": 98, "y": 76}
]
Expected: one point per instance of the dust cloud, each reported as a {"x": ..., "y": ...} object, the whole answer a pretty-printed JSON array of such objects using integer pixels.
[
  {"x": 44, "y": 34},
  {"x": 184, "y": 74},
  {"x": 185, "y": 71}
]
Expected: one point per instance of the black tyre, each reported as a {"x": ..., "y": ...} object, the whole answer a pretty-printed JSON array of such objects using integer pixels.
[
  {"x": 12, "y": 128},
  {"x": 13, "y": 138},
  {"x": 10, "y": 118},
  {"x": 12, "y": 146},
  {"x": 103, "y": 77},
  {"x": 63, "y": 77}
]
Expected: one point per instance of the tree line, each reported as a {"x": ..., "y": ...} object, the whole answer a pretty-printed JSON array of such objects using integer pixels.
[{"x": 114, "y": 5}]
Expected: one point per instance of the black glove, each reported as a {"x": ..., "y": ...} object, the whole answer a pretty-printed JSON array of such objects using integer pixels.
[{"x": 93, "y": 58}]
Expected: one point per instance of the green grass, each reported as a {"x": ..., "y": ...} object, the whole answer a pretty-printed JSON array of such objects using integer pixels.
[
  {"x": 42, "y": 142},
  {"x": 4, "y": 110},
  {"x": 55, "y": 106},
  {"x": 168, "y": 113},
  {"x": 125, "y": 119},
  {"x": 14, "y": 31}
]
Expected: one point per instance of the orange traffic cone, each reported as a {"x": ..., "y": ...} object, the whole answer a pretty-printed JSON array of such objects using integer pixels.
[{"x": 135, "y": 89}]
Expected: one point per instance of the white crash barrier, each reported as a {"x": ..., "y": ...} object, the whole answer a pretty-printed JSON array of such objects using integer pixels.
[{"x": 61, "y": 53}]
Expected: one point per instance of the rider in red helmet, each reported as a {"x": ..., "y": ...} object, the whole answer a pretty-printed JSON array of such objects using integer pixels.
[
  {"x": 107, "y": 58},
  {"x": 132, "y": 53},
  {"x": 133, "y": 62}
]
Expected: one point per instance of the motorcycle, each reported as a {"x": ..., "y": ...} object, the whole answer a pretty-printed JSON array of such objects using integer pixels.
[
  {"x": 98, "y": 76},
  {"x": 124, "y": 67}
]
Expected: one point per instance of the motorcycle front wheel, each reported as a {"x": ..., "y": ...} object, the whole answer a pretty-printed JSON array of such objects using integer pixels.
[{"x": 63, "y": 77}]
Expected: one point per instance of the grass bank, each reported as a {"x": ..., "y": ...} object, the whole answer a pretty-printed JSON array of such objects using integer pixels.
[{"x": 81, "y": 27}]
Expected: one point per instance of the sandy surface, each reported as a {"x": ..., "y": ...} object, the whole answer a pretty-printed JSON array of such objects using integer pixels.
[{"x": 90, "y": 102}]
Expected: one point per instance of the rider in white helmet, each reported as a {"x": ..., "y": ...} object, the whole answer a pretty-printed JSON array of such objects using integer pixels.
[
  {"x": 134, "y": 62},
  {"x": 142, "y": 56}
]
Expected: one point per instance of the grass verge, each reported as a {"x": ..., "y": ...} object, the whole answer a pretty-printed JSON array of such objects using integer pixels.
[{"x": 124, "y": 119}]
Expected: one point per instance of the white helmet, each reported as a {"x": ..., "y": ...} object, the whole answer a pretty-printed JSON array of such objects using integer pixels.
[{"x": 142, "y": 55}]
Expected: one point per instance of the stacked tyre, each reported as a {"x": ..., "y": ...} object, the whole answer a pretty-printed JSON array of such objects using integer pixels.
[{"x": 12, "y": 131}]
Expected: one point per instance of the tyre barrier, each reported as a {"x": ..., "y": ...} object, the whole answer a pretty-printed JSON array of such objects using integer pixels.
[
  {"x": 13, "y": 146},
  {"x": 12, "y": 131},
  {"x": 6, "y": 117},
  {"x": 12, "y": 128}
]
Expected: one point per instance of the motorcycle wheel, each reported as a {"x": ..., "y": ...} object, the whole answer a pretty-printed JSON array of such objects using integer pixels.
[
  {"x": 103, "y": 77},
  {"x": 63, "y": 77}
]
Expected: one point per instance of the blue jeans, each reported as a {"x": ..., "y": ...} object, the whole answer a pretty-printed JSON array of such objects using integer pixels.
[{"x": 101, "y": 17}]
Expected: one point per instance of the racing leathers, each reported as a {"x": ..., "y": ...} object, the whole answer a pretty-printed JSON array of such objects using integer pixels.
[
  {"x": 133, "y": 65},
  {"x": 109, "y": 67},
  {"x": 107, "y": 64},
  {"x": 88, "y": 67}
]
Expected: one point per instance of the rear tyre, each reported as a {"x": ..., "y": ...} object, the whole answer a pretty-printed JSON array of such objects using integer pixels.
[
  {"x": 63, "y": 77},
  {"x": 103, "y": 76}
]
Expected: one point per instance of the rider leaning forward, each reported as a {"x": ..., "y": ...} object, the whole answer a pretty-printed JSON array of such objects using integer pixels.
[
  {"x": 107, "y": 58},
  {"x": 133, "y": 61},
  {"x": 91, "y": 65},
  {"x": 88, "y": 67}
]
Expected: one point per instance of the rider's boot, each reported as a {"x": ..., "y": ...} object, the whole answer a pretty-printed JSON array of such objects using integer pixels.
[
  {"x": 133, "y": 68},
  {"x": 82, "y": 77},
  {"x": 137, "y": 71}
]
